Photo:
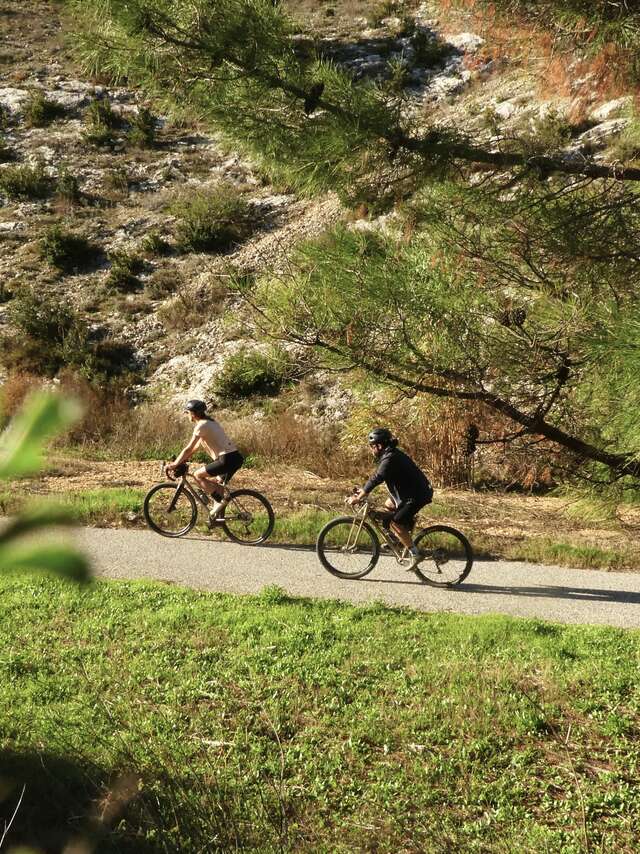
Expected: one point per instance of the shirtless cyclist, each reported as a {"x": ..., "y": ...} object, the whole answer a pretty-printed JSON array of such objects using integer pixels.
[{"x": 209, "y": 436}]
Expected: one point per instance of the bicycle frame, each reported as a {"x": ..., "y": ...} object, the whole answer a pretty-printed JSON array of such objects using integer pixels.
[
  {"x": 189, "y": 483},
  {"x": 362, "y": 513}
]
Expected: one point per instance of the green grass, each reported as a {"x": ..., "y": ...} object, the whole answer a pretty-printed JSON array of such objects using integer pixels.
[
  {"x": 219, "y": 723},
  {"x": 543, "y": 550},
  {"x": 91, "y": 507}
]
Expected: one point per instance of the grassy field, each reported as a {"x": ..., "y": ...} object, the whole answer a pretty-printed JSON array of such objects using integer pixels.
[{"x": 146, "y": 718}]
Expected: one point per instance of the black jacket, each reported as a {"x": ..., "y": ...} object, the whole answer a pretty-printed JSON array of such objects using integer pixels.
[{"x": 402, "y": 476}]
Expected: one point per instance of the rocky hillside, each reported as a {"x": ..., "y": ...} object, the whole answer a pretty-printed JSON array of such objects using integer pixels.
[{"x": 97, "y": 186}]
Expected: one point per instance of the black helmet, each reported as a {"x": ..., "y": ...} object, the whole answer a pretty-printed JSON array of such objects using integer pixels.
[
  {"x": 380, "y": 436},
  {"x": 199, "y": 407}
]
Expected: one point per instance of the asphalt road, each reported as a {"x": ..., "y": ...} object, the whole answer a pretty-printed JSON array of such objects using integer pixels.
[{"x": 504, "y": 587}]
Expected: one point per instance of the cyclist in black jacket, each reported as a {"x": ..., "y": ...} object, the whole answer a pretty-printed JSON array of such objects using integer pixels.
[{"x": 408, "y": 487}]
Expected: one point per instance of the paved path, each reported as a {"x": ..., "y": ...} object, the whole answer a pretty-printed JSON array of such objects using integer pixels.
[{"x": 505, "y": 587}]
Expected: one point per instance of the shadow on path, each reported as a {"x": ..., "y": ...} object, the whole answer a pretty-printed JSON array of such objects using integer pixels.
[{"x": 578, "y": 594}]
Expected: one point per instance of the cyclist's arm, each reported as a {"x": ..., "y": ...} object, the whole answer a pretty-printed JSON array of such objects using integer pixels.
[
  {"x": 187, "y": 452},
  {"x": 378, "y": 477}
]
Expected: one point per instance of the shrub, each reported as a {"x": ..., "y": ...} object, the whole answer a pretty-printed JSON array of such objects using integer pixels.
[
  {"x": 253, "y": 372},
  {"x": 627, "y": 146},
  {"x": 42, "y": 325},
  {"x": 67, "y": 187},
  {"x": 6, "y": 153},
  {"x": 429, "y": 50},
  {"x": 15, "y": 389},
  {"x": 162, "y": 283},
  {"x": 51, "y": 336},
  {"x": 143, "y": 129},
  {"x": 100, "y": 123},
  {"x": 212, "y": 220},
  {"x": 116, "y": 181},
  {"x": 65, "y": 250},
  {"x": 25, "y": 182},
  {"x": 40, "y": 111},
  {"x": 383, "y": 9},
  {"x": 155, "y": 244},
  {"x": 125, "y": 267},
  {"x": 282, "y": 438}
]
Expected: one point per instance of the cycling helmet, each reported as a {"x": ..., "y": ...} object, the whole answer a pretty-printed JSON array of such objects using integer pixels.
[
  {"x": 199, "y": 407},
  {"x": 380, "y": 436}
]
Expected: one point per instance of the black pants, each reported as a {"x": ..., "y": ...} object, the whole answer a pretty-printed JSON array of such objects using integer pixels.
[
  {"x": 406, "y": 512},
  {"x": 225, "y": 466}
]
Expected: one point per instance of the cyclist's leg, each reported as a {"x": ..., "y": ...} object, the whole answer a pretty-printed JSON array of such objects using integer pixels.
[
  {"x": 222, "y": 470},
  {"x": 209, "y": 484},
  {"x": 403, "y": 520}
]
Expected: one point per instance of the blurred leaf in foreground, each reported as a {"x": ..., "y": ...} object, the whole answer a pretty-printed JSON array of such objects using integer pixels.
[{"x": 21, "y": 450}]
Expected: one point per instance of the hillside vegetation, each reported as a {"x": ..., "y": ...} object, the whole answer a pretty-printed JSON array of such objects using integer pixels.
[
  {"x": 507, "y": 278},
  {"x": 484, "y": 265}
]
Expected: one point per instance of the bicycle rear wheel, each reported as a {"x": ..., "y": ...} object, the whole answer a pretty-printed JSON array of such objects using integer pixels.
[
  {"x": 248, "y": 518},
  {"x": 170, "y": 510},
  {"x": 347, "y": 547},
  {"x": 449, "y": 556}
]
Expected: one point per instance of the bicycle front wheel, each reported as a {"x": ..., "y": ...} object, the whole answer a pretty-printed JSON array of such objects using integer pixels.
[
  {"x": 248, "y": 518},
  {"x": 170, "y": 510},
  {"x": 449, "y": 556},
  {"x": 347, "y": 547}
]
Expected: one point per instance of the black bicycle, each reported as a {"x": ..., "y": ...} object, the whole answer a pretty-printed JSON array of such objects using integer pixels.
[
  {"x": 171, "y": 509},
  {"x": 349, "y": 547}
]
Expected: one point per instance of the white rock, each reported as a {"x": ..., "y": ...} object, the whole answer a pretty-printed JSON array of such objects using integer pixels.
[
  {"x": 467, "y": 42},
  {"x": 612, "y": 109},
  {"x": 69, "y": 100},
  {"x": 13, "y": 99},
  {"x": 506, "y": 109},
  {"x": 603, "y": 132}
]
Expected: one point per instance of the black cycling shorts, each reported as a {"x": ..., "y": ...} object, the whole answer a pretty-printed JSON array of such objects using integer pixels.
[
  {"x": 226, "y": 465},
  {"x": 407, "y": 511}
]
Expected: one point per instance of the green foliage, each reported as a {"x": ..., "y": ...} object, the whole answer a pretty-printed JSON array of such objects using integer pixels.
[
  {"x": 252, "y": 372},
  {"x": 125, "y": 267},
  {"x": 142, "y": 132},
  {"x": 67, "y": 187},
  {"x": 212, "y": 220},
  {"x": 21, "y": 449},
  {"x": 39, "y": 111},
  {"x": 522, "y": 295},
  {"x": 25, "y": 182},
  {"x": 49, "y": 335},
  {"x": 267, "y": 721},
  {"x": 101, "y": 123},
  {"x": 66, "y": 250},
  {"x": 6, "y": 153},
  {"x": 154, "y": 244},
  {"x": 249, "y": 45}
]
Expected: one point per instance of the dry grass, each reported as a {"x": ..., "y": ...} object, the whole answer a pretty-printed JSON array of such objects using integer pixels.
[
  {"x": 288, "y": 440},
  {"x": 606, "y": 73}
]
